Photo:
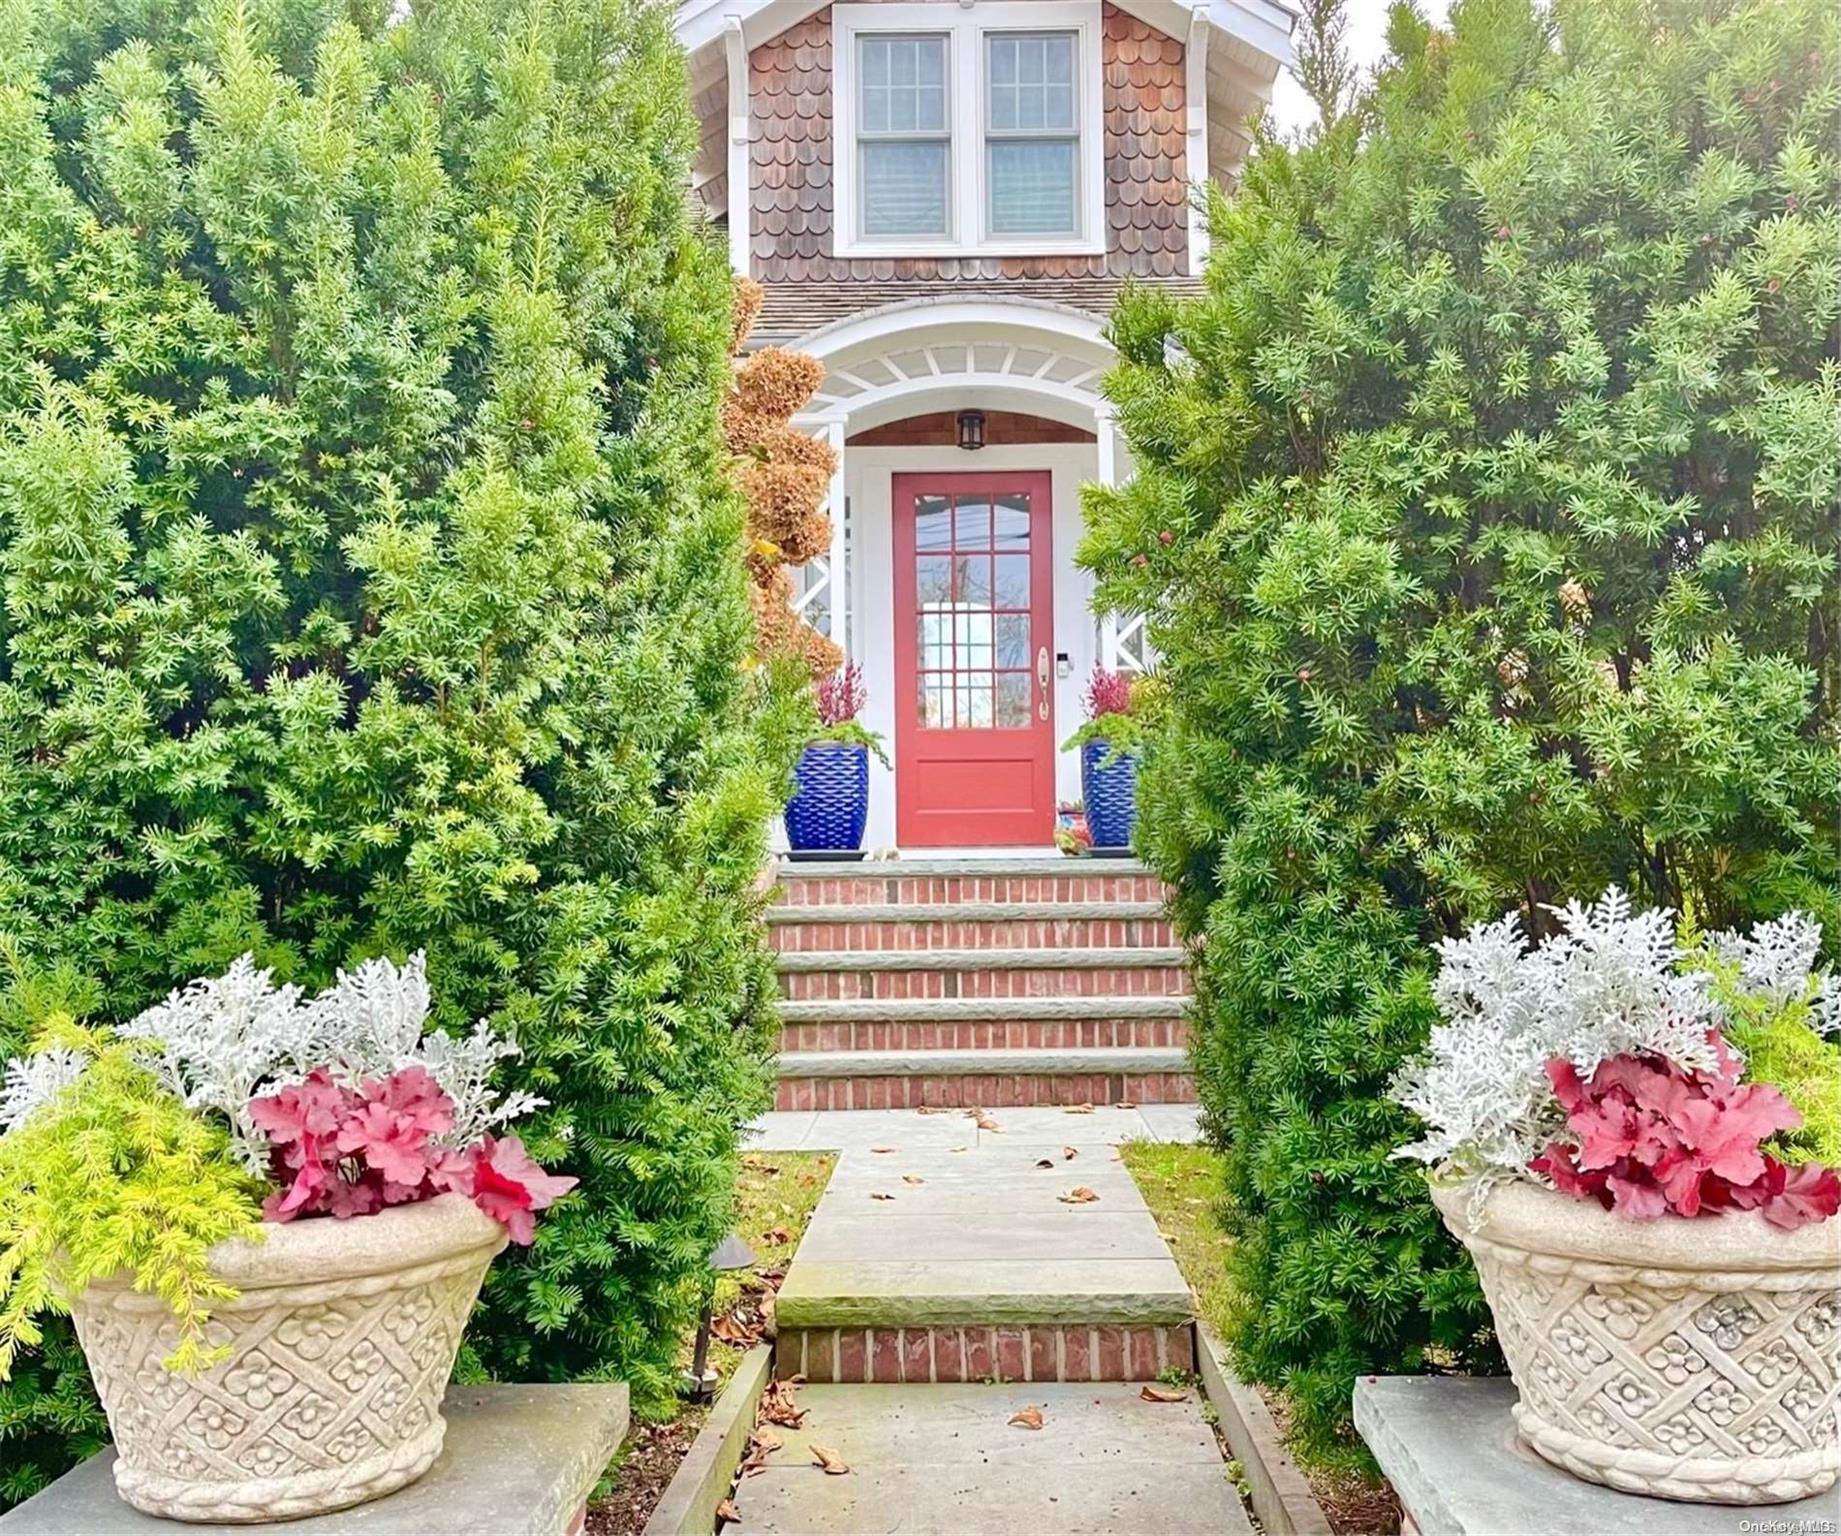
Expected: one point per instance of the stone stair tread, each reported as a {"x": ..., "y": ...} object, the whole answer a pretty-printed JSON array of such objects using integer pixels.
[
  {"x": 940, "y": 1010},
  {"x": 895, "y": 1293},
  {"x": 981, "y": 867},
  {"x": 965, "y": 912},
  {"x": 1035, "y": 1061},
  {"x": 945, "y": 1459},
  {"x": 1019, "y": 959}
]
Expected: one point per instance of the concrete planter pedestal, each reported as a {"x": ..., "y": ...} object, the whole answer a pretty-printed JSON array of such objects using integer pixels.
[
  {"x": 341, "y": 1343},
  {"x": 1683, "y": 1359}
]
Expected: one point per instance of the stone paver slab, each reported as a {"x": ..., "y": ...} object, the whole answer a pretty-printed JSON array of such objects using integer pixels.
[
  {"x": 915, "y": 1292},
  {"x": 779, "y": 1130},
  {"x": 944, "y": 1459},
  {"x": 1172, "y": 1122},
  {"x": 1049, "y": 1125},
  {"x": 1058, "y": 1232}
]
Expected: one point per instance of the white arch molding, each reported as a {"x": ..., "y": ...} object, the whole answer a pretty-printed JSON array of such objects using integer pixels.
[{"x": 939, "y": 354}]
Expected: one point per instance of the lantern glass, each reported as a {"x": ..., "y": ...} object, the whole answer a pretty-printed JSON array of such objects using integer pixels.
[{"x": 971, "y": 430}]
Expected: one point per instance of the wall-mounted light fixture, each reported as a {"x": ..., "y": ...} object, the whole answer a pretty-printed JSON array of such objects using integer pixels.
[{"x": 971, "y": 430}]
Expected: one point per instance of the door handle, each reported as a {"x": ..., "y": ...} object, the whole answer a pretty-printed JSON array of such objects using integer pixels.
[{"x": 1042, "y": 682}]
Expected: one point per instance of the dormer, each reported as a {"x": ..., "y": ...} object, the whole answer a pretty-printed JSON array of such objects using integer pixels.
[{"x": 894, "y": 142}]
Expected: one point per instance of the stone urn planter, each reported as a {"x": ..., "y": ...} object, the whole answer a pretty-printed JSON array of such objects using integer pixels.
[
  {"x": 1682, "y": 1359},
  {"x": 341, "y": 1344}
]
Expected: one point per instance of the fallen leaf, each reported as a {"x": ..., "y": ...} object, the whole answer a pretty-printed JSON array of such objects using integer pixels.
[
  {"x": 936, "y": 1109},
  {"x": 765, "y": 1440},
  {"x": 1078, "y": 1195},
  {"x": 776, "y": 1237},
  {"x": 1045, "y": 1162},
  {"x": 733, "y": 1330},
  {"x": 824, "y": 1456},
  {"x": 1153, "y": 1393},
  {"x": 1027, "y": 1418},
  {"x": 885, "y": 1149},
  {"x": 1077, "y": 1109},
  {"x": 876, "y": 1194},
  {"x": 1125, "y": 1104},
  {"x": 912, "y": 1178},
  {"x": 778, "y": 1406},
  {"x": 1068, "y": 1154},
  {"x": 726, "y": 1512},
  {"x": 986, "y": 1123}
]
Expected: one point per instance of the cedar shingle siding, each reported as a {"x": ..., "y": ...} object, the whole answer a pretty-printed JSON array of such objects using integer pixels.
[{"x": 792, "y": 151}]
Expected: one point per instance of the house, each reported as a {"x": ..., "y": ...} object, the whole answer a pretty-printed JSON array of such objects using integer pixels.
[{"x": 943, "y": 199}]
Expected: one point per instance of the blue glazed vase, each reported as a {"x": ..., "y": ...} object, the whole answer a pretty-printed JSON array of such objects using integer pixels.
[
  {"x": 1111, "y": 792},
  {"x": 832, "y": 802}
]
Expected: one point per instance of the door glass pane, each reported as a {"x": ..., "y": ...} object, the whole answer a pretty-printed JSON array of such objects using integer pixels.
[
  {"x": 935, "y": 701},
  {"x": 935, "y": 640},
  {"x": 971, "y": 523},
  {"x": 975, "y": 641},
  {"x": 979, "y": 693},
  {"x": 972, "y": 580},
  {"x": 1012, "y": 581},
  {"x": 1013, "y": 640},
  {"x": 932, "y": 580},
  {"x": 1012, "y": 700},
  {"x": 1012, "y": 522},
  {"x": 932, "y": 523}
]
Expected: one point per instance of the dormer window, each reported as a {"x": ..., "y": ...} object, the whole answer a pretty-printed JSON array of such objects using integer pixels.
[{"x": 969, "y": 130}]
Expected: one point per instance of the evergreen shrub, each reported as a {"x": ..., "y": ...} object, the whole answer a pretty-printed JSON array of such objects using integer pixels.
[
  {"x": 1485, "y": 518},
  {"x": 373, "y": 582}
]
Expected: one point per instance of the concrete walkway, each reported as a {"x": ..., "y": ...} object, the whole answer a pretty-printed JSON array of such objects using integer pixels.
[
  {"x": 962, "y": 1266},
  {"x": 947, "y": 1460}
]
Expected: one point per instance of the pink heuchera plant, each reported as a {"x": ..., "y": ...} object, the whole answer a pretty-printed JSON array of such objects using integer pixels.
[
  {"x": 1656, "y": 1138},
  {"x": 841, "y": 696},
  {"x": 340, "y": 1151}
]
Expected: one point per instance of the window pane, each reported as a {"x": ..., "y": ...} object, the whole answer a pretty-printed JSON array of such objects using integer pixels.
[
  {"x": 904, "y": 188},
  {"x": 935, "y": 702},
  {"x": 932, "y": 528},
  {"x": 975, "y": 641},
  {"x": 1012, "y": 522},
  {"x": 1012, "y": 699},
  {"x": 1012, "y": 581},
  {"x": 935, "y": 641},
  {"x": 903, "y": 84},
  {"x": 978, "y": 688},
  {"x": 1030, "y": 80},
  {"x": 1032, "y": 186}
]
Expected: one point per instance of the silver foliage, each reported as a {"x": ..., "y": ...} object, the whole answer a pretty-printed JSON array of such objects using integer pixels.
[
  {"x": 31, "y": 1082},
  {"x": 222, "y": 1041}
]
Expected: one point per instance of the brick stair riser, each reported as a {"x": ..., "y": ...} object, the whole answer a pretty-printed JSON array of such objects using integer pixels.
[
  {"x": 984, "y": 1091},
  {"x": 974, "y": 1353},
  {"x": 1116, "y": 981},
  {"x": 983, "y": 1035},
  {"x": 920, "y": 933},
  {"x": 831, "y": 890}
]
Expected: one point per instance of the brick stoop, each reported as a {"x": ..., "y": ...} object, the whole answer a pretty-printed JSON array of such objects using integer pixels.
[
  {"x": 998, "y": 982},
  {"x": 1026, "y": 1352}
]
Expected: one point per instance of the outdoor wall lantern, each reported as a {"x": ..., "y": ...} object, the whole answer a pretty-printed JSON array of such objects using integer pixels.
[
  {"x": 731, "y": 1253},
  {"x": 971, "y": 430}
]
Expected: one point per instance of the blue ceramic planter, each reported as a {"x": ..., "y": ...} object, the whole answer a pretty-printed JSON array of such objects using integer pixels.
[
  {"x": 1111, "y": 792},
  {"x": 832, "y": 803}
]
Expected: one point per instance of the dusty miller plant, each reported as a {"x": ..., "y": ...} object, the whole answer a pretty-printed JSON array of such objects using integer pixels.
[{"x": 219, "y": 1043}]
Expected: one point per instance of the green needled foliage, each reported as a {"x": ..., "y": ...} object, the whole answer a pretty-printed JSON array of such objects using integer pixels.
[
  {"x": 1485, "y": 522},
  {"x": 372, "y": 582},
  {"x": 117, "y": 1175}
]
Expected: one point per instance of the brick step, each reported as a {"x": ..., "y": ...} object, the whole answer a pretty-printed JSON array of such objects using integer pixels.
[
  {"x": 840, "y": 986},
  {"x": 983, "y": 1035},
  {"x": 940, "y": 881},
  {"x": 945, "y": 1353},
  {"x": 970, "y": 925},
  {"x": 993, "y": 1078},
  {"x": 899, "y": 1010}
]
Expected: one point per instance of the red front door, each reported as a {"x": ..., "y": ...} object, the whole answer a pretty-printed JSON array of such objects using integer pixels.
[{"x": 974, "y": 726}]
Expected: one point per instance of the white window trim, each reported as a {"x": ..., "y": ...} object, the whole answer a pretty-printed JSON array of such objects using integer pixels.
[{"x": 965, "y": 28}]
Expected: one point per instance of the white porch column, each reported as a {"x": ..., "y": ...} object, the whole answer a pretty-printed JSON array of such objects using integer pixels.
[
  {"x": 1106, "y": 446},
  {"x": 1195, "y": 101},
  {"x": 735, "y": 46},
  {"x": 839, "y": 563}
]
